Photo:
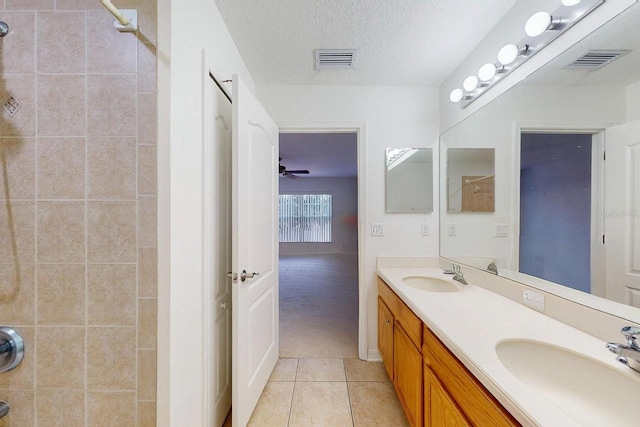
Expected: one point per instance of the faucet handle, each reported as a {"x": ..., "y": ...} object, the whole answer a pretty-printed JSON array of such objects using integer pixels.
[{"x": 632, "y": 334}]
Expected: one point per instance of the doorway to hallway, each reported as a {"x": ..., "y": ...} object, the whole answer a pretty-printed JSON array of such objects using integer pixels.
[{"x": 318, "y": 269}]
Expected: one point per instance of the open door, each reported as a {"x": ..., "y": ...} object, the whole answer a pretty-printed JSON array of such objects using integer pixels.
[
  {"x": 622, "y": 213},
  {"x": 255, "y": 340}
]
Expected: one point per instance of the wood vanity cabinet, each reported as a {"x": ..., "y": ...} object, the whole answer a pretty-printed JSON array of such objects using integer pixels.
[
  {"x": 433, "y": 386},
  {"x": 472, "y": 403},
  {"x": 400, "y": 342}
]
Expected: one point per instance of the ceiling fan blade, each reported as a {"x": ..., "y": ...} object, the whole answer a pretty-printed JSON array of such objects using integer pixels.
[{"x": 299, "y": 172}]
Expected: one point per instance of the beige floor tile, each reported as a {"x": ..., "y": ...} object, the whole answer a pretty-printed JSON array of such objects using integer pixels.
[
  {"x": 320, "y": 404},
  {"x": 285, "y": 370},
  {"x": 320, "y": 370},
  {"x": 360, "y": 370},
  {"x": 375, "y": 404},
  {"x": 274, "y": 405}
]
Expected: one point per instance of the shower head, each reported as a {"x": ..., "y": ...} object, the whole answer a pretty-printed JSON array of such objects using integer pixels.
[{"x": 4, "y": 29}]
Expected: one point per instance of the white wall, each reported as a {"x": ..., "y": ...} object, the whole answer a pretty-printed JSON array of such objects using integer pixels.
[
  {"x": 393, "y": 117},
  {"x": 187, "y": 27},
  {"x": 344, "y": 200}
]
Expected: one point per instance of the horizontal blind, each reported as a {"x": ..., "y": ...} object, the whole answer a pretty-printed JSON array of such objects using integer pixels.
[{"x": 305, "y": 218}]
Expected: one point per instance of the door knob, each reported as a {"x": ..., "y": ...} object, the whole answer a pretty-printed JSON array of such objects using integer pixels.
[{"x": 244, "y": 275}]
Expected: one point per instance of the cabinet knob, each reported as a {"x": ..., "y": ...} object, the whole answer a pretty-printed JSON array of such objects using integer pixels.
[{"x": 387, "y": 321}]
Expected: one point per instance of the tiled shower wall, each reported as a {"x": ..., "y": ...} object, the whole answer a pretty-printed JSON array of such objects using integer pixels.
[{"x": 78, "y": 213}]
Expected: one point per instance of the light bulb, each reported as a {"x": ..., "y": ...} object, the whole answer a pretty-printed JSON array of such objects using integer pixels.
[
  {"x": 570, "y": 2},
  {"x": 487, "y": 72},
  {"x": 456, "y": 95},
  {"x": 470, "y": 83},
  {"x": 508, "y": 54},
  {"x": 537, "y": 24}
]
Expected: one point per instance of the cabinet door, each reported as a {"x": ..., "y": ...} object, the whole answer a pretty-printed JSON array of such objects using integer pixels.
[
  {"x": 385, "y": 336},
  {"x": 441, "y": 409},
  {"x": 407, "y": 370}
]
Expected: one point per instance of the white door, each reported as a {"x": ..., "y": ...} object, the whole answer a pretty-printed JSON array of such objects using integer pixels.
[
  {"x": 622, "y": 213},
  {"x": 255, "y": 251},
  {"x": 217, "y": 252}
]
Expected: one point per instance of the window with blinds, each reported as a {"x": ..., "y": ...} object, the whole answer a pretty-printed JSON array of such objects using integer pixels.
[{"x": 305, "y": 218}]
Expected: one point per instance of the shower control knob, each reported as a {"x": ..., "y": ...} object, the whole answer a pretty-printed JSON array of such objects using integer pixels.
[
  {"x": 4, "y": 29},
  {"x": 4, "y": 409},
  {"x": 11, "y": 348}
]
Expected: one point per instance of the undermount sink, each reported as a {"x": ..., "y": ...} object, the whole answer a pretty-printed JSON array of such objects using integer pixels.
[
  {"x": 589, "y": 392},
  {"x": 431, "y": 284}
]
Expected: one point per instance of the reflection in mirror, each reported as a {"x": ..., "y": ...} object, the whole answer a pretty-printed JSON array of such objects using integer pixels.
[
  {"x": 567, "y": 228},
  {"x": 409, "y": 180},
  {"x": 470, "y": 180}
]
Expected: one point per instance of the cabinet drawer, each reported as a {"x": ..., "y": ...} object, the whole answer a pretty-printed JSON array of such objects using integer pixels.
[
  {"x": 477, "y": 404},
  {"x": 402, "y": 314}
]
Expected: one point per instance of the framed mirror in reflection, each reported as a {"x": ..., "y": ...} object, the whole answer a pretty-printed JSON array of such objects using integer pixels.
[
  {"x": 565, "y": 220},
  {"x": 409, "y": 180},
  {"x": 470, "y": 180}
]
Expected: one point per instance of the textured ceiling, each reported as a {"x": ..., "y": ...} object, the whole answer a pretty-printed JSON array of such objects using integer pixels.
[
  {"x": 399, "y": 42},
  {"x": 323, "y": 154}
]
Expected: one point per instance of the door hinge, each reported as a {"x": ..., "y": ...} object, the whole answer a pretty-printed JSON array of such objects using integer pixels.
[
  {"x": 604, "y": 155},
  {"x": 603, "y": 239}
]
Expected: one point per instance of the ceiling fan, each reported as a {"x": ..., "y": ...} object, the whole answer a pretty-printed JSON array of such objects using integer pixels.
[{"x": 291, "y": 173}]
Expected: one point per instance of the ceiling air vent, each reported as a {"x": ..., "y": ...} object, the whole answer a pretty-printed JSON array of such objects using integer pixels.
[
  {"x": 334, "y": 58},
  {"x": 594, "y": 59}
]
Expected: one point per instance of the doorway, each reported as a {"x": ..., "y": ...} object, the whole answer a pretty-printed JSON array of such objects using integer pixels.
[
  {"x": 558, "y": 193},
  {"x": 318, "y": 262}
]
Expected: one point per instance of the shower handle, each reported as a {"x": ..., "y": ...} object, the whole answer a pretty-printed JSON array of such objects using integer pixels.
[
  {"x": 4, "y": 29},
  {"x": 4, "y": 408},
  {"x": 11, "y": 348}
]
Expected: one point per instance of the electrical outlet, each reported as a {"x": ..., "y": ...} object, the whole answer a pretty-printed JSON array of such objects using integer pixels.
[
  {"x": 534, "y": 300},
  {"x": 451, "y": 229},
  {"x": 377, "y": 229},
  {"x": 424, "y": 229}
]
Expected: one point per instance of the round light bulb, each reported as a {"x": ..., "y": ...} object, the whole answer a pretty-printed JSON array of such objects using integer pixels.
[
  {"x": 570, "y": 2},
  {"x": 470, "y": 83},
  {"x": 456, "y": 95},
  {"x": 537, "y": 24},
  {"x": 508, "y": 54},
  {"x": 487, "y": 72}
]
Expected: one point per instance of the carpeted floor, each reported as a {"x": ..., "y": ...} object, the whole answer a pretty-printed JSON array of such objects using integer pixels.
[{"x": 319, "y": 306}]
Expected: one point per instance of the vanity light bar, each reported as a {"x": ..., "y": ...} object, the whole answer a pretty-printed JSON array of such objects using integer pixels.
[{"x": 540, "y": 30}]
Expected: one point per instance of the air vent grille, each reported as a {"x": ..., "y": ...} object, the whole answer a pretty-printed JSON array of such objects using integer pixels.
[
  {"x": 595, "y": 59},
  {"x": 334, "y": 58}
]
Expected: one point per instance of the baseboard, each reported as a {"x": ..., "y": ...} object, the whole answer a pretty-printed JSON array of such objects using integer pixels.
[{"x": 373, "y": 355}]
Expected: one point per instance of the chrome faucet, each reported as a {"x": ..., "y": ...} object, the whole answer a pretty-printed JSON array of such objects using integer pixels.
[
  {"x": 628, "y": 354},
  {"x": 457, "y": 274}
]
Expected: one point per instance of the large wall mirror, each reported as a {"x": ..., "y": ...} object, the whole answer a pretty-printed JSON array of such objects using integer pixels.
[
  {"x": 565, "y": 219},
  {"x": 409, "y": 180}
]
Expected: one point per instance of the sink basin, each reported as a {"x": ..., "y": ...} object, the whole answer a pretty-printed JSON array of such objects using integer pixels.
[
  {"x": 431, "y": 284},
  {"x": 589, "y": 392}
]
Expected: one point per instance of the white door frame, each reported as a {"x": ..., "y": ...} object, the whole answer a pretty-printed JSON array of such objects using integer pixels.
[
  {"x": 597, "y": 193},
  {"x": 360, "y": 129}
]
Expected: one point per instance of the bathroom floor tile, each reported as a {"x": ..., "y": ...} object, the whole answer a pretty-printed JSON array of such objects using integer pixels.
[
  {"x": 274, "y": 405},
  {"x": 375, "y": 404},
  {"x": 285, "y": 370},
  {"x": 320, "y": 370},
  {"x": 361, "y": 370},
  {"x": 320, "y": 404}
]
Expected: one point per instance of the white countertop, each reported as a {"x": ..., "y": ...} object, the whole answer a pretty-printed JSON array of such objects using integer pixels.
[{"x": 473, "y": 321}]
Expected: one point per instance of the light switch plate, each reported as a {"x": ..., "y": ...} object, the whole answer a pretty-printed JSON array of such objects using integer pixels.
[
  {"x": 502, "y": 230},
  {"x": 424, "y": 229},
  {"x": 377, "y": 229}
]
